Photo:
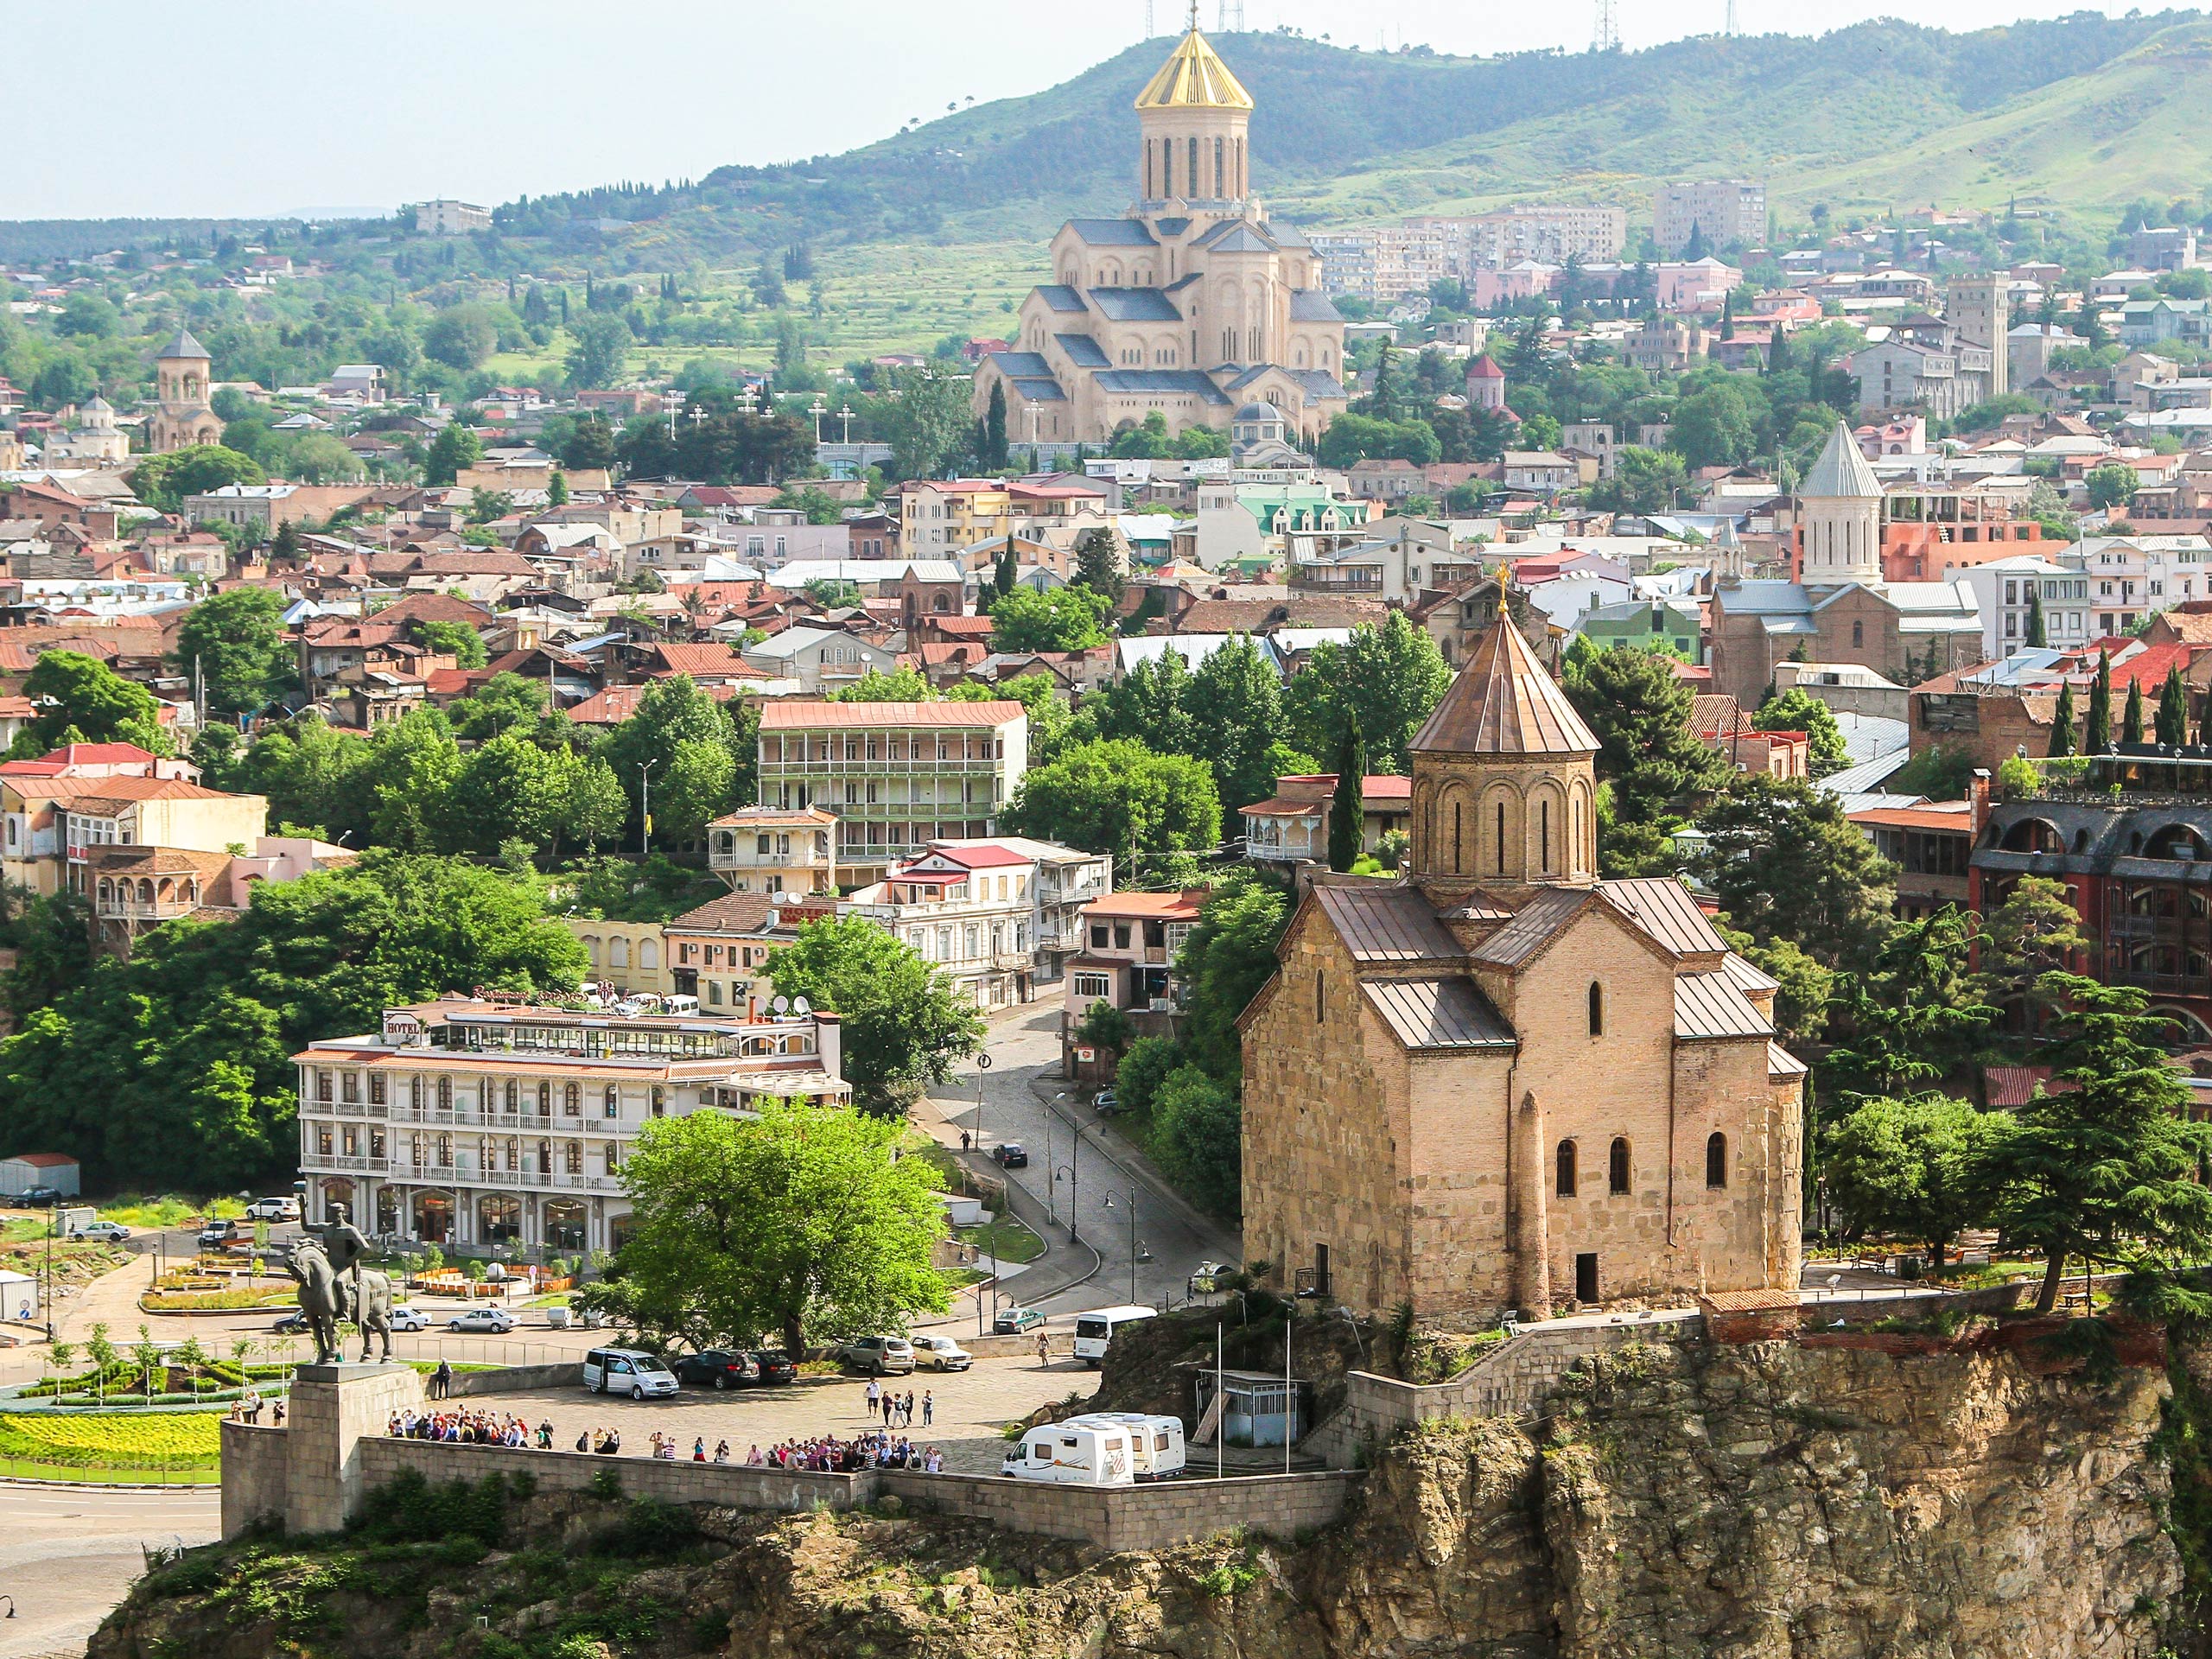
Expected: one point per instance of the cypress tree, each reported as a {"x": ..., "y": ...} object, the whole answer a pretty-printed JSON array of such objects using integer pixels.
[
  {"x": 2096, "y": 738},
  {"x": 2172, "y": 725},
  {"x": 1347, "y": 811},
  {"x": 995, "y": 428},
  {"x": 2061, "y": 720},
  {"x": 2035, "y": 616},
  {"x": 2131, "y": 723}
]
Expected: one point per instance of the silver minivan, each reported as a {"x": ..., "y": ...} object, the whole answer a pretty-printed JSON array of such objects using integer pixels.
[{"x": 626, "y": 1371}]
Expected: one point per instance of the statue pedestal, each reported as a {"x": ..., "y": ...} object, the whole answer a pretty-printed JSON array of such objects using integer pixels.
[{"x": 332, "y": 1407}]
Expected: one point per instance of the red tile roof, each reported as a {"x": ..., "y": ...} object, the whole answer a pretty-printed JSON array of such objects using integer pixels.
[{"x": 798, "y": 714}]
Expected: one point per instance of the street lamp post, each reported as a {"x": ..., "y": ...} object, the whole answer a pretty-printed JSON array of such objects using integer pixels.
[
  {"x": 1134, "y": 1193},
  {"x": 845, "y": 415},
  {"x": 646, "y": 806},
  {"x": 818, "y": 411}
]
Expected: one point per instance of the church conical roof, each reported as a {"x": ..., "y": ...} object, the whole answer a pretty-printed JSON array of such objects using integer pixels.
[
  {"x": 1194, "y": 78},
  {"x": 1842, "y": 472},
  {"x": 184, "y": 345},
  {"x": 1504, "y": 703}
]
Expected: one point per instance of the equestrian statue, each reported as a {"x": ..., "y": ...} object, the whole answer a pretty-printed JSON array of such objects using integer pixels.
[{"x": 334, "y": 1287}]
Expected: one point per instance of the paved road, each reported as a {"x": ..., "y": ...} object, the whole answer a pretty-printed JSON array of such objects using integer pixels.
[
  {"x": 1062, "y": 1138},
  {"x": 68, "y": 1557}
]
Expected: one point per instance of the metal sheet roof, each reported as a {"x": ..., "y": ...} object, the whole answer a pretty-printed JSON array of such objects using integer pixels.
[
  {"x": 1748, "y": 976},
  {"x": 1533, "y": 927},
  {"x": 1663, "y": 907},
  {"x": 1781, "y": 1063},
  {"x": 1504, "y": 703},
  {"x": 1708, "y": 1006},
  {"x": 1387, "y": 924},
  {"x": 1436, "y": 1013}
]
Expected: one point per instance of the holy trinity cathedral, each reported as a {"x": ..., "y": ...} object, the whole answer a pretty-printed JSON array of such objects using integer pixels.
[
  {"x": 1192, "y": 302},
  {"x": 1500, "y": 1083}
]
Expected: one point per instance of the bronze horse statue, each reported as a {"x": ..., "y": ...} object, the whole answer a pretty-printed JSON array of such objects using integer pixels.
[{"x": 327, "y": 1300}]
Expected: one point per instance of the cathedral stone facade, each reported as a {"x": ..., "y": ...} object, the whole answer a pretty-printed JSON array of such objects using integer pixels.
[
  {"x": 1501, "y": 1083},
  {"x": 1193, "y": 302}
]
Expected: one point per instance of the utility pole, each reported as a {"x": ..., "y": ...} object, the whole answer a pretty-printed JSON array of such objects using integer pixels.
[
  {"x": 1608, "y": 35},
  {"x": 645, "y": 807}
]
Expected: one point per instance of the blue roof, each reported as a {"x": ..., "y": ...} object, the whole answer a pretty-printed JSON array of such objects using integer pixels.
[
  {"x": 1287, "y": 235},
  {"x": 1134, "y": 305},
  {"x": 1319, "y": 384},
  {"x": 1083, "y": 351},
  {"x": 1172, "y": 226},
  {"x": 1021, "y": 364},
  {"x": 1038, "y": 391},
  {"x": 1766, "y": 598},
  {"x": 1311, "y": 305},
  {"x": 1059, "y": 297},
  {"x": 1237, "y": 237},
  {"x": 1113, "y": 233},
  {"x": 1161, "y": 382}
]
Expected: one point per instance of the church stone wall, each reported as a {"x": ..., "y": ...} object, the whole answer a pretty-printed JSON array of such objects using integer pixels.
[{"x": 1461, "y": 1264}]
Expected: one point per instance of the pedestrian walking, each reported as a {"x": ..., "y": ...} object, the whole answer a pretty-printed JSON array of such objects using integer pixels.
[
  {"x": 887, "y": 1404},
  {"x": 906, "y": 1410},
  {"x": 1044, "y": 1352},
  {"x": 928, "y": 1406},
  {"x": 441, "y": 1381},
  {"x": 583, "y": 1440},
  {"x": 874, "y": 1395}
]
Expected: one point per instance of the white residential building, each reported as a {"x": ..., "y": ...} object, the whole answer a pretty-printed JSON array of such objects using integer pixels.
[
  {"x": 969, "y": 910},
  {"x": 820, "y": 659},
  {"x": 1067, "y": 880},
  {"x": 476, "y": 1125},
  {"x": 2006, "y": 591},
  {"x": 775, "y": 849}
]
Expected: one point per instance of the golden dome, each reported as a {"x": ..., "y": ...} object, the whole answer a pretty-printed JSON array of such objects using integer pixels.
[{"x": 1194, "y": 78}]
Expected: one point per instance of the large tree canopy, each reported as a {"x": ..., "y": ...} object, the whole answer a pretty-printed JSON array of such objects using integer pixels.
[{"x": 905, "y": 1025}]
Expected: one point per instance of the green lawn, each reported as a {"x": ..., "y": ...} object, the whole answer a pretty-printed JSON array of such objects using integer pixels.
[{"x": 1005, "y": 1239}]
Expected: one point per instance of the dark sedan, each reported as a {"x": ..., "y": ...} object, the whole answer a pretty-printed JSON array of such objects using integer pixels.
[
  {"x": 774, "y": 1367},
  {"x": 717, "y": 1368},
  {"x": 1011, "y": 1155}
]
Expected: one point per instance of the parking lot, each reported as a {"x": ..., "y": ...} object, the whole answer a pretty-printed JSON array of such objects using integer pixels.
[{"x": 970, "y": 1407}]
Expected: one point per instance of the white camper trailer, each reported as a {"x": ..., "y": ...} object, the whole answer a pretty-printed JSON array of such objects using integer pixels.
[
  {"x": 1155, "y": 1443},
  {"x": 1074, "y": 1454}
]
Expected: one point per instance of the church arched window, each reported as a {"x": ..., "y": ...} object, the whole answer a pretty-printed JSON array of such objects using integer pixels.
[
  {"x": 1544, "y": 836},
  {"x": 1320, "y": 997},
  {"x": 1565, "y": 1183},
  {"x": 1220, "y": 186},
  {"x": 1596, "y": 1009},
  {"x": 1195, "y": 186},
  {"x": 1616, "y": 1167},
  {"x": 1501, "y": 837},
  {"x": 1456, "y": 867},
  {"x": 1716, "y": 1160}
]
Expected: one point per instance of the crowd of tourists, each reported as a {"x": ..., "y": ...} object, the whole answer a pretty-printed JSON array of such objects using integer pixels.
[
  {"x": 827, "y": 1454},
  {"x": 470, "y": 1428}
]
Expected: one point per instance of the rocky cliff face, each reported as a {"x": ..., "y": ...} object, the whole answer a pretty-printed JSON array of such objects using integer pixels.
[{"x": 1773, "y": 1502}]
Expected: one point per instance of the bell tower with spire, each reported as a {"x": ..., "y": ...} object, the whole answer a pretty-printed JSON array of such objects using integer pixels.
[{"x": 1193, "y": 119}]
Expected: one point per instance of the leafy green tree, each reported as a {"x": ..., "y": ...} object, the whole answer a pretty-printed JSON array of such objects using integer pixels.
[
  {"x": 1351, "y": 439},
  {"x": 693, "y": 748},
  {"x": 164, "y": 481},
  {"x": 802, "y": 1222},
  {"x": 1051, "y": 723},
  {"x": 927, "y": 421},
  {"x": 1923, "y": 1169},
  {"x": 507, "y": 701},
  {"x": 1785, "y": 863},
  {"x": 1104, "y": 1026},
  {"x": 310, "y": 774},
  {"x": 1067, "y": 619},
  {"x": 1098, "y": 565},
  {"x": 1652, "y": 762},
  {"x": 1390, "y": 678},
  {"x": 905, "y": 1023},
  {"x": 992, "y": 450},
  {"x": 599, "y": 347},
  {"x": 901, "y": 685},
  {"x": 590, "y": 447},
  {"x": 1150, "y": 705},
  {"x": 1005, "y": 573},
  {"x": 2113, "y": 485},
  {"x": 236, "y": 641},
  {"x": 1235, "y": 705},
  {"x": 1715, "y": 426},
  {"x": 1116, "y": 796},
  {"x": 462, "y": 337},
  {"x": 2096, "y": 737},
  {"x": 2036, "y": 637},
  {"x": 2110, "y": 1166},
  {"x": 409, "y": 772},
  {"x": 75, "y": 691},
  {"x": 2062, "y": 721},
  {"x": 453, "y": 451},
  {"x": 2172, "y": 725},
  {"x": 1916, "y": 1017},
  {"x": 1198, "y": 1135},
  {"x": 1228, "y": 956},
  {"x": 1799, "y": 710},
  {"x": 1644, "y": 482},
  {"x": 1144, "y": 1066},
  {"x": 454, "y": 639},
  {"x": 1348, "y": 811},
  {"x": 2034, "y": 931}
]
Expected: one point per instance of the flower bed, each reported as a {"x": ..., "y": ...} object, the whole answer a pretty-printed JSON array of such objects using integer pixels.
[
  {"x": 214, "y": 1301},
  {"x": 150, "y": 1440}
]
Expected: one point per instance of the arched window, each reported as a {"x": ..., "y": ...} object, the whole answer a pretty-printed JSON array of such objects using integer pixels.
[
  {"x": 648, "y": 954},
  {"x": 513, "y": 1103},
  {"x": 1456, "y": 866},
  {"x": 1566, "y": 1169},
  {"x": 1544, "y": 836},
  {"x": 1858, "y": 633},
  {"x": 1596, "y": 1009},
  {"x": 445, "y": 1094},
  {"x": 1501, "y": 837},
  {"x": 1191, "y": 179},
  {"x": 1320, "y": 997},
  {"x": 1716, "y": 1160},
  {"x": 1617, "y": 1165},
  {"x": 612, "y": 1101},
  {"x": 544, "y": 1098},
  {"x": 572, "y": 1100}
]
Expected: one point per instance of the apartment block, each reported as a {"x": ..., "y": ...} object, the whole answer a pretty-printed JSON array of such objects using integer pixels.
[{"x": 1724, "y": 211}]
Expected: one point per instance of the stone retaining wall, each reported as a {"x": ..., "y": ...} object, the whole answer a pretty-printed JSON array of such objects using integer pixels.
[
  {"x": 253, "y": 1474},
  {"x": 1151, "y": 1517},
  {"x": 516, "y": 1379},
  {"x": 731, "y": 1485}
]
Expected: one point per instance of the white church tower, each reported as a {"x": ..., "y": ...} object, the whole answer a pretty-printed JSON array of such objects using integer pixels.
[{"x": 1840, "y": 517}]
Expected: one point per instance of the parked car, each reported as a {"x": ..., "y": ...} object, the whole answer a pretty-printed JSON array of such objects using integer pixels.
[
  {"x": 1206, "y": 1280},
  {"x": 496, "y": 1320},
  {"x": 1011, "y": 1155},
  {"x": 1108, "y": 1102},
  {"x": 1012, "y": 1321},
  {"x": 39, "y": 1198},
  {"x": 626, "y": 1371},
  {"x": 217, "y": 1234},
  {"x": 407, "y": 1317},
  {"x": 105, "y": 1232},
  {"x": 294, "y": 1324},
  {"x": 775, "y": 1366},
  {"x": 717, "y": 1368},
  {"x": 881, "y": 1356},
  {"x": 273, "y": 1209},
  {"x": 941, "y": 1353}
]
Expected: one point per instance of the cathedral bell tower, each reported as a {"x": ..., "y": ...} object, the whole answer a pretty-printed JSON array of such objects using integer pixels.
[
  {"x": 1505, "y": 791},
  {"x": 1192, "y": 118},
  {"x": 1839, "y": 515}
]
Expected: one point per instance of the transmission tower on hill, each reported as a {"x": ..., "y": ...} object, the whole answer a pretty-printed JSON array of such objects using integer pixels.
[
  {"x": 1608, "y": 37},
  {"x": 1731, "y": 28}
]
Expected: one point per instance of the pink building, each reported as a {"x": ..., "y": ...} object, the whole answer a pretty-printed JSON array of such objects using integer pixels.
[
  {"x": 1523, "y": 281},
  {"x": 1698, "y": 285}
]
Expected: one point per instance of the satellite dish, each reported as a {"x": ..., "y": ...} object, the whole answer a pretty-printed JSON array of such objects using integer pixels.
[
  {"x": 800, "y": 1005},
  {"x": 777, "y": 1006}
]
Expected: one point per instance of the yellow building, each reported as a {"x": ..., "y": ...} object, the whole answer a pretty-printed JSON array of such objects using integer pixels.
[
  {"x": 1194, "y": 303},
  {"x": 631, "y": 957},
  {"x": 50, "y": 827},
  {"x": 1501, "y": 1082},
  {"x": 938, "y": 518}
]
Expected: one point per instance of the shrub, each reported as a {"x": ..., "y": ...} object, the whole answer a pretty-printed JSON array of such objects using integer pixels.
[
  {"x": 409, "y": 1509},
  {"x": 1198, "y": 1131},
  {"x": 1144, "y": 1067}
]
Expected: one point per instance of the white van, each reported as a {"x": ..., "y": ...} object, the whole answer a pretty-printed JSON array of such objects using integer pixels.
[
  {"x": 626, "y": 1371},
  {"x": 1155, "y": 1443},
  {"x": 1073, "y": 1454},
  {"x": 1093, "y": 1330},
  {"x": 679, "y": 1005}
]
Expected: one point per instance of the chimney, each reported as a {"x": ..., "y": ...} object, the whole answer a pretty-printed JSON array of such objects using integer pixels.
[
  {"x": 1980, "y": 796},
  {"x": 829, "y": 1042}
]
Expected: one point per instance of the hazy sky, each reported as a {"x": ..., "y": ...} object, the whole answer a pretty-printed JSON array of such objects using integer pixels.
[{"x": 149, "y": 107}]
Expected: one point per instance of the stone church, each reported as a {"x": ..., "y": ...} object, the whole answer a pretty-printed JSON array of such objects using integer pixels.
[
  {"x": 182, "y": 416},
  {"x": 1193, "y": 302},
  {"x": 1500, "y": 1083}
]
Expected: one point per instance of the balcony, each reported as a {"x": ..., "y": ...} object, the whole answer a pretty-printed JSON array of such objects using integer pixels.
[
  {"x": 148, "y": 911},
  {"x": 325, "y": 1163},
  {"x": 1013, "y": 961},
  {"x": 822, "y": 768}
]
